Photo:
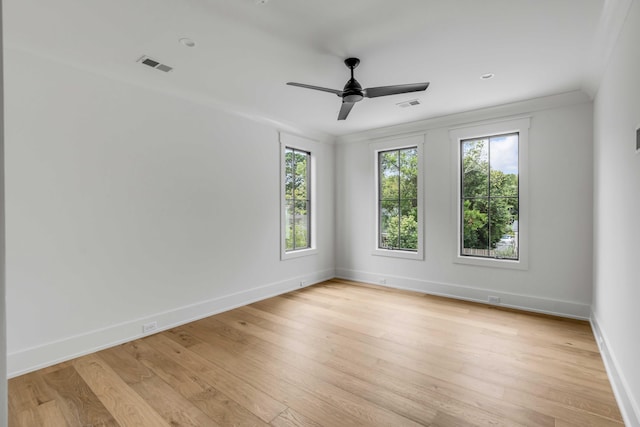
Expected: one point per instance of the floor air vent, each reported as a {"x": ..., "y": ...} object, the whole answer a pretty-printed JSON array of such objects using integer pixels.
[{"x": 155, "y": 64}]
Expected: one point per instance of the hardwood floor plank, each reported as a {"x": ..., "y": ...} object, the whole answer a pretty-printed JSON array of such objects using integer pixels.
[
  {"x": 217, "y": 405},
  {"x": 164, "y": 399},
  {"x": 131, "y": 370},
  {"x": 337, "y": 353},
  {"x": 290, "y": 418},
  {"x": 174, "y": 408},
  {"x": 229, "y": 357},
  {"x": 444, "y": 419},
  {"x": 28, "y": 391},
  {"x": 78, "y": 402},
  {"x": 51, "y": 415},
  {"x": 126, "y": 406},
  {"x": 29, "y": 417},
  {"x": 562, "y": 412},
  {"x": 258, "y": 402}
]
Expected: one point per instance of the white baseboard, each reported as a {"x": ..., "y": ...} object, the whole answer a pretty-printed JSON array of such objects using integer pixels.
[
  {"x": 628, "y": 406},
  {"x": 31, "y": 359},
  {"x": 522, "y": 302}
]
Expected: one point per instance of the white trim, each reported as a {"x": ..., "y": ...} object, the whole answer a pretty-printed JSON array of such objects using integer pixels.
[
  {"x": 308, "y": 145},
  {"x": 555, "y": 307},
  {"x": 404, "y": 141},
  {"x": 37, "y": 357},
  {"x": 483, "y": 129},
  {"x": 628, "y": 406}
]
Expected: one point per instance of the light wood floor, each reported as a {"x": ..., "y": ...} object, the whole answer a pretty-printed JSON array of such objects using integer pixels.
[{"x": 335, "y": 354}]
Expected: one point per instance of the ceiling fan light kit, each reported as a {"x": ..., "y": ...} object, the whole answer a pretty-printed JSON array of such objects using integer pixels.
[{"x": 353, "y": 91}]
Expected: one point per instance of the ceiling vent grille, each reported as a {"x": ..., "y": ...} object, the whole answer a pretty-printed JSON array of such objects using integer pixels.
[
  {"x": 410, "y": 103},
  {"x": 150, "y": 62}
]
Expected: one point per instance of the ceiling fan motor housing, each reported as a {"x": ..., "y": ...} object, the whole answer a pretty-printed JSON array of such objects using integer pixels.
[{"x": 352, "y": 91}]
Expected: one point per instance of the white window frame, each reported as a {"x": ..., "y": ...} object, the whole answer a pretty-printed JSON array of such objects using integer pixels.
[
  {"x": 512, "y": 125},
  {"x": 308, "y": 145},
  {"x": 396, "y": 144}
]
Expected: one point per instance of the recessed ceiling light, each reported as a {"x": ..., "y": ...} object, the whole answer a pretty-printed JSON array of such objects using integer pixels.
[
  {"x": 261, "y": 2},
  {"x": 487, "y": 76},
  {"x": 187, "y": 42}
]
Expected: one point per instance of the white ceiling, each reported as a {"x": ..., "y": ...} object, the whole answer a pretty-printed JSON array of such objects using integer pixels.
[{"x": 246, "y": 52}]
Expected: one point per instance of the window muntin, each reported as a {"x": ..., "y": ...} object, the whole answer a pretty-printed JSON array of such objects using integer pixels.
[
  {"x": 489, "y": 202},
  {"x": 297, "y": 195},
  {"x": 398, "y": 199}
]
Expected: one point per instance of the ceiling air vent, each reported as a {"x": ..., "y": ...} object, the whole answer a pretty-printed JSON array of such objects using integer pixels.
[
  {"x": 410, "y": 103},
  {"x": 155, "y": 64}
]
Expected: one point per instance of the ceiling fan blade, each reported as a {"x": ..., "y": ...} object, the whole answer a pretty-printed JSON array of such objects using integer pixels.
[
  {"x": 374, "y": 92},
  {"x": 324, "y": 89},
  {"x": 345, "y": 109}
]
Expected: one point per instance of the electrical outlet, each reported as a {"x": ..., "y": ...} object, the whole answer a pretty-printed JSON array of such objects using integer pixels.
[
  {"x": 149, "y": 327},
  {"x": 382, "y": 281},
  {"x": 494, "y": 300},
  {"x": 303, "y": 283}
]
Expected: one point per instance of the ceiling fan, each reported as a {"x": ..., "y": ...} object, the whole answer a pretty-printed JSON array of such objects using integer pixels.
[{"x": 353, "y": 91}]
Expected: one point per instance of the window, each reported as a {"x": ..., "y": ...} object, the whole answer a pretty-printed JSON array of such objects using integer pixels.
[
  {"x": 297, "y": 213},
  {"x": 491, "y": 199},
  {"x": 297, "y": 199},
  {"x": 489, "y": 196},
  {"x": 398, "y": 198}
]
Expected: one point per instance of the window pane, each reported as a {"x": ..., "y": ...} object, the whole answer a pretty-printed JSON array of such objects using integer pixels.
[
  {"x": 388, "y": 224},
  {"x": 408, "y": 231},
  {"x": 409, "y": 173},
  {"x": 501, "y": 211},
  {"x": 301, "y": 164},
  {"x": 389, "y": 173},
  {"x": 288, "y": 225},
  {"x": 504, "y": 227},
  {"x": 301, "y": 237},
  {"x": 475, "y": 168},
  {"x": 504, "y": 165},
  {"x": 288, "y": 173},
  {"x": 475, "y": 229}
]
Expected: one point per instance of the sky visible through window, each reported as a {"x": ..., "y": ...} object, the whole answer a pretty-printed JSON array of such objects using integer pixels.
[{"x": 504, "y": 153}]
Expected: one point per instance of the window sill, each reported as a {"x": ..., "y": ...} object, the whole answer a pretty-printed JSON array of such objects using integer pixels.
[
  {"x": 398, "y": 254},
  {"x": 298, "y": 254},
  {"x": 492, "y": 262}
]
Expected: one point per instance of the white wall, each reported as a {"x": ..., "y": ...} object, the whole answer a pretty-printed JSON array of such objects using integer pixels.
[
  {"x": 125, "y": 206},
  {"x": 3, "y": 331},
  {"x": 559, "y": 276},
  {"x": 616, "y": 212}
]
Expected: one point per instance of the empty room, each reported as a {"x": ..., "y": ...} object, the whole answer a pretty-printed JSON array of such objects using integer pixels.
[{"x": 336, "y": 213}]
